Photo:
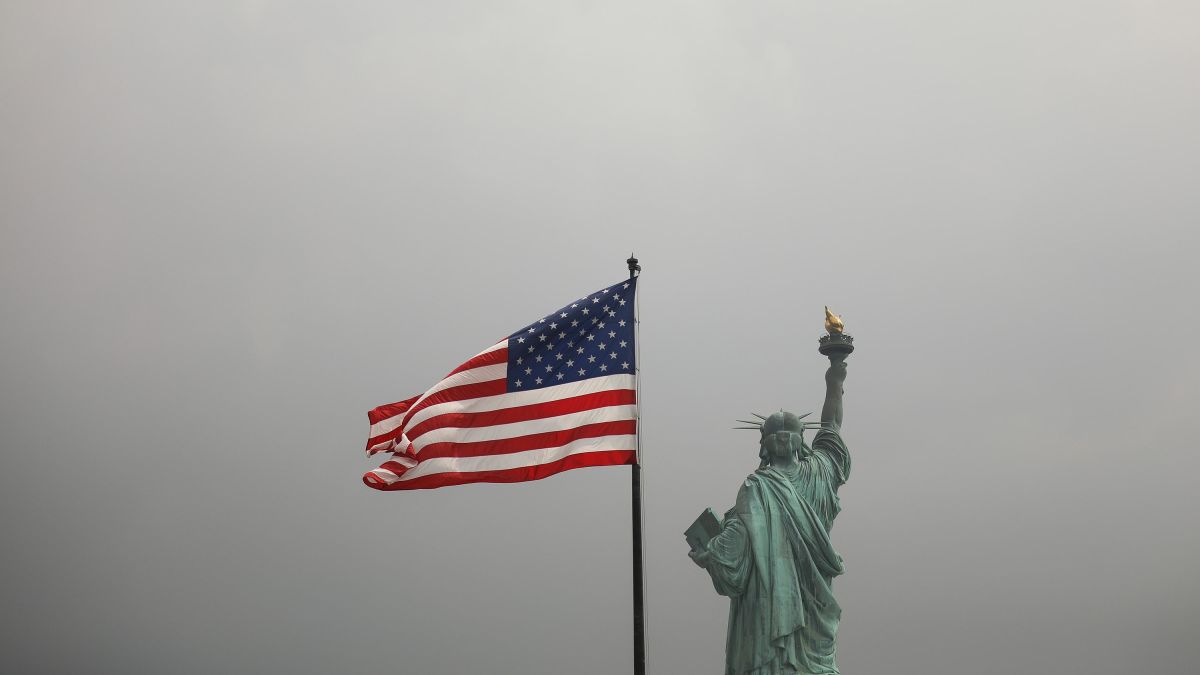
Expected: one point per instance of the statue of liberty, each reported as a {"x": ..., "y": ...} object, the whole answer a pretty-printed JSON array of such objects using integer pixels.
[{"x": 771, "y": 555}]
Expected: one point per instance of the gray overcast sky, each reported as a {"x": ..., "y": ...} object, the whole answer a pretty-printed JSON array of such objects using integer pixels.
[{"x": 229, "y": 229}]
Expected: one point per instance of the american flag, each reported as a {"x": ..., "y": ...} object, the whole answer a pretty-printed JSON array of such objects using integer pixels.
[{"x": 557, "y": 394}]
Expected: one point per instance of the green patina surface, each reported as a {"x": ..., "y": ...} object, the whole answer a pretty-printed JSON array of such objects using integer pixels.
[{"x": 773, "y": 557}]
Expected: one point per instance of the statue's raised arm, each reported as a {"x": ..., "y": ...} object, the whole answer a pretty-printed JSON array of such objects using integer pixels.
[
  {"x": 828, "y": 442},
  {"x": 835, "y": 377},
  {"x": 837, "y": 345}
]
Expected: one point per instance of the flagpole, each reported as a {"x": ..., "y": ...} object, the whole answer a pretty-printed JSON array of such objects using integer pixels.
[{"x": 639, "y": 575}]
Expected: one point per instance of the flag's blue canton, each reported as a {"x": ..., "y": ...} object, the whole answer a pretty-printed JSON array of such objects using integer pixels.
[{"x": 590, "y": 337}]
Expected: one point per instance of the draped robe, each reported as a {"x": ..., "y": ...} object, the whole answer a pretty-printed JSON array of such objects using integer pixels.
[{"x": 774, "y": 560}]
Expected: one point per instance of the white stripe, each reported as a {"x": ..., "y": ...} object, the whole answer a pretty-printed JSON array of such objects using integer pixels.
[
  {"x": 519, "y": 398},
  {"x": 403, "y": 460},
  {"x": 386, "y": 424},
  {"x": 473, "y": 376},
  {"x": 380, "y": 447},
  {"x": 496, "y": 432},
  {"x": 385, "y": 475},
  {"x": 498, "y": 345},
  {"x": 519, "y": 459}
]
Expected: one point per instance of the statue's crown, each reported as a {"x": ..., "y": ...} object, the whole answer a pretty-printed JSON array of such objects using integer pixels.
[{"x": 780, "y": 421}]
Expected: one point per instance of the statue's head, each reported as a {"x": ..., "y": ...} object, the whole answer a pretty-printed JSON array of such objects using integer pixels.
[{"x": 782, "y": 438}]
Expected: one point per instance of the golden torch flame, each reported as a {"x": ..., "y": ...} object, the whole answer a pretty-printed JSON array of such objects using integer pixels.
[{"x": 833, "y": 322}]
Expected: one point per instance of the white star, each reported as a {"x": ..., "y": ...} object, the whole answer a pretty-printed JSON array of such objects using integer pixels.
[
  {"x": 616, "y": 297},
  {"x": 529, "y": 371},
  {"x": 624, "y": 285},
  {"x": 600, "y": 325},
  {"x": 542, "y": 337},
  {"x": 538, "y": 381},
  {"x": 585, "y": 310},
  {"x": 570, "y": 343},
  {"x": 595, "y": 300},
  {"x": 591, "y": 359},
  {"x": 603, "y": 367},
  {"x": 520, "y": 339},
  {"x": 581, "y": 371},
  {"x": 574, "y": 305},
  {"x": 539, "y": 358},
  {"x": 595, "y": 321},
  {"x": 612, "y": 355},
  {"x": 518, "y": 383},
  {"x": 591, "y": 337},
  {"x": 561, "y": 335},
  {"x": 622, "y": 343},
  {"x": 605, "y": 290},
  {"x": 580, "y": 350},
  {"x": 570, "y": 362},
  {"x": 574, "y": 323},
  {"x": 531, "y": 329},
  {"x": 603, "y": 346},
  {"x": 612, "y": 313},
  {"x": 621, "y": 323},
  {"x": 549, "y": 369},
  {"x": 625, "y": 365},
  {"x": 553, "y": 326},
  {"x": 613, "y": 334},
  {"x": 541, "y": 321},
  {"x": 606, "y": 308},
  {"x": 559, "y": 376},
  {"x": 558, "y": 356},
  {"x": 622, "y": 303},
  {"x": 563, "y": 315},
  {"x": 549, "y": 345},
  {"x": 520, "y": 359},
  {"x": 530, "y": 349}
]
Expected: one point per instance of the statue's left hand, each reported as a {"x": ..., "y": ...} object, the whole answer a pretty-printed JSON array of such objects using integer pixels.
[{"x": 700, "y": 558}]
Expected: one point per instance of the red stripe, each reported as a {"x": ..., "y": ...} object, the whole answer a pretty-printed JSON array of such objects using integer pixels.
[
  {"x": 395, "y": 467},
  {"x": 549, "y": 439},
  {"x": 524, "y": 473},
  {"x": 392, "y": 435},
  {"x": 489, "y": 359},
  {"x": 524, "y": 413},
  {"x": 459, "y": 393},
  {"x": 390, "y": 409},
  {"x": 383, "y": 412}
]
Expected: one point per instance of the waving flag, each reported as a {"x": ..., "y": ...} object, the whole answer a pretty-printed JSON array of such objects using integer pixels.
[{"x": 558, "y": 394}]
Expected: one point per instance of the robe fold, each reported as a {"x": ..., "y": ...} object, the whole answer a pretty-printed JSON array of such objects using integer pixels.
[{"x": 774, "y": 560}]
